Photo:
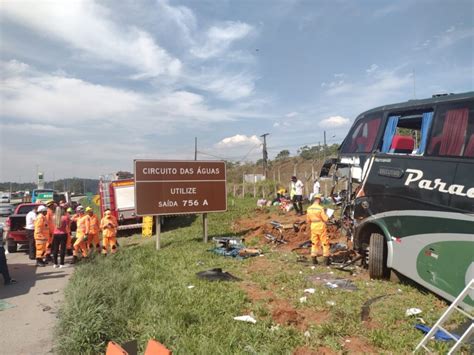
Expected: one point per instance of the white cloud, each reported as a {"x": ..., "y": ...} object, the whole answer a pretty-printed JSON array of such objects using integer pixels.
[
  {"x": 85, "y": 25},
  {"x": 334, "y": 122},
  {"x": 291, "y": 114},
  {"x": 238, "y": 140},
  {"x": 227, "y": 86},
  {"x": 219, "y": 38},
  {"x": 182, "y": 16},
  {"x": 32, "y": 96},
  {"x": 373, "y": 68}
]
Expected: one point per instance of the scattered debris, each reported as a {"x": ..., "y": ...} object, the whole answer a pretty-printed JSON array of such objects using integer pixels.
[
  {"x": 216, "y": 275},
  {"x": 439, "y": 335},
  {"x": 49, "y": 292},
  {"x": 233, "y": 247},
  {"x": 309, "y": 290},
  {"x": 274, "y": 328},
  {"x": 328, "y": 280},
  {"x": 307, "y": 334},
  {"x": 303, "y": 299},
  {"x": 412, "y": 312},
  {"x": 5, "y": 305},
  {"x": 46, "y": 308},
  {"x": 246, "y": 318},
  {"x": 191, "y": 286},
  {"x": 330, "y": 303},
  {"x": 365, "y": 310}
]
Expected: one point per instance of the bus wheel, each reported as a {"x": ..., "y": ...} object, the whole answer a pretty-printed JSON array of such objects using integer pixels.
[
  {"x": 12, "y": 247},
  {"x": 378, "y": 257}
]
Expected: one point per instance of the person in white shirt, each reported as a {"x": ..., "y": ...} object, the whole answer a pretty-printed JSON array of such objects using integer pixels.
[
  {"x": 297, "y": 189},
  {"x": 30, "y": 232},
  {"x": 316, "y": 189}
]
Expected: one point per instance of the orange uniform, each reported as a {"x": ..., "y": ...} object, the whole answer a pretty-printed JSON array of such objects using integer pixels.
[
  {"x": 50, "y": 218},
  {"x": 94, "y": 239},
  {"x": 108, "y": 225},
  {"x": 316, "y": 216},
  {"x": 83, "y": 228},
  {"x": 41, "y": 235}
]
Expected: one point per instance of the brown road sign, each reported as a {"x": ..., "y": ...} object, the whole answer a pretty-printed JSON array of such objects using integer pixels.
[{"x": 164, "y": 187}]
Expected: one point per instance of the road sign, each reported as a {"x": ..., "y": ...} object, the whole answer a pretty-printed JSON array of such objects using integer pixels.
[{"x": 164, "y": 187}]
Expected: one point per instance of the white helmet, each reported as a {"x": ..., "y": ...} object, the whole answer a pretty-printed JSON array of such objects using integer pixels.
[{"x": 42, "y": 208}]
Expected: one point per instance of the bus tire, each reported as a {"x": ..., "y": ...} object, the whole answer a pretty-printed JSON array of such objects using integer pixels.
[{"x": 378, "y": 257}]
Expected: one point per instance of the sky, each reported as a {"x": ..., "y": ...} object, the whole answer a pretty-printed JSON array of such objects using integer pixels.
[{"x": 88, "y": 86}]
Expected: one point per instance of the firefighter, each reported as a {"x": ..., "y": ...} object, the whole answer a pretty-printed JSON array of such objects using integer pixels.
[
  {"x": 69, "y": 213},
  {"x": 317, "y": 218},
  {"x": 108, "y": 225},
  {"x": 51, "y": 205},
  {"x": 82, "y": 234},
  {"x": 41, "y": 235},
  {"x": 94, "y": 238}
]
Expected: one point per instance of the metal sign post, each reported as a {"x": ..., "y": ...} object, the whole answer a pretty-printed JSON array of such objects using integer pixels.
[
  {"x": 158, "y": 232},
  {"x": 204, "y": 226}
]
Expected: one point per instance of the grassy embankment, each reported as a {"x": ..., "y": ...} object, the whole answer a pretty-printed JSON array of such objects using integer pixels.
[{"x": 141, "y": 293}]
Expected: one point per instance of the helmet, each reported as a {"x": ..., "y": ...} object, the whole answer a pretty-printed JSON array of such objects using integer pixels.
[
  {"x": 49, "y": 203},
  {"x": 69, "y": 210},
  {"x": 317, "y": 196},
  {"x": 42, "y": 208},
  {"x": 88, "y": 209},
  {"x": 79, "y": 208}
]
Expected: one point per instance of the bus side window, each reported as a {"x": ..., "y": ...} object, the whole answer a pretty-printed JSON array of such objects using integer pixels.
[{"x": 453, "y": 133}]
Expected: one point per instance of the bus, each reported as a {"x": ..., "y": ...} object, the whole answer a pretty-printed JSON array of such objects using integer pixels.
[
  {"x": 42, "y": 195},
  {"x": 409, "y": 169}
]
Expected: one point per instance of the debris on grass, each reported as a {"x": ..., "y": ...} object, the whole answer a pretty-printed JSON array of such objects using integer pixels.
[
  {"x": 309, "y": 290},
  {"x": 439, "y": 335},
  {"x": 216, "y": 275},
  {"x": 330, "y": 303},
  {"x": 246, "y": 318},
  {"x": 49, "y": 292},
  {"x": 365, "y": 310},
  {"x": 303, "y": 299},
  {"x": 191, "y": 286},
  {"x": 412, "y": 312}
]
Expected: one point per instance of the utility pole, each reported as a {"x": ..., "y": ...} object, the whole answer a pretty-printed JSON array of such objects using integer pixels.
[
  {"x": 324, "y": 147},
  {"x": 195, "y": 148},
  {"x": 265, "y": 154}
]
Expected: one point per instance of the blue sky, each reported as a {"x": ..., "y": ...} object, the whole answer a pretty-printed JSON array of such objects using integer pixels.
[{"x": 88, "y": 86}]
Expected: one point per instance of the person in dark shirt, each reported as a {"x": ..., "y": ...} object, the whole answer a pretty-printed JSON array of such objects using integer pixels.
[{"x": 3, "y": 262}]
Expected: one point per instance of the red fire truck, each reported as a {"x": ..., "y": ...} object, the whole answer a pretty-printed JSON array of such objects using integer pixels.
[{"x": 117, "y": 193}]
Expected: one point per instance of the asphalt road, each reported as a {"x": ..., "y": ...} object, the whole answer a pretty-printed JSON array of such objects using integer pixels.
[{"x": 28, "y": 309}]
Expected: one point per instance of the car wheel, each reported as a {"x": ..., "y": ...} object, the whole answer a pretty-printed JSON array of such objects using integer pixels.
[
  {"x": 12, "y": 247},
  {"x": 378, "y": 257}
]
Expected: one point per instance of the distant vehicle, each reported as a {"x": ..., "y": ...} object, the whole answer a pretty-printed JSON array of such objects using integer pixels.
[
  {"x": 6, "y": 209},
  {"x": 5, "y": 198},
  {"x": 119, "y": 196},
  {"x": 409, "y": 169},
  {"x": 15, "y": 226},
  {"x": 42, "y": 195}
]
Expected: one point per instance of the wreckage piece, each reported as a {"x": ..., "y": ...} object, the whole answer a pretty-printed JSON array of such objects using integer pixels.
[
  {"x": 274, "y": 239},
  {"x": 228, "y": 242},
  {"x": 304, "y": 245},
  {"x": 216, "y": 275},
  {"x": 248, "y": 252},
  {"x": 328, "y": 280},
  {"x": 365, "y": 310}
]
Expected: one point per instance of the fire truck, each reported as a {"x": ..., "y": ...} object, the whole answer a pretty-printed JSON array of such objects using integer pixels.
[{"x": 117, "y": 193}]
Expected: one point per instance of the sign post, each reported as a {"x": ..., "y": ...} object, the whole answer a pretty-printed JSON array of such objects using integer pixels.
[
  {"x": 165, "y": 187},
  {"x": 158, "y": 232}
]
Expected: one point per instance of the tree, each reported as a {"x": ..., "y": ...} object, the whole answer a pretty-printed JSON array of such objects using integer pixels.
[{"x": 283, "y": 155}]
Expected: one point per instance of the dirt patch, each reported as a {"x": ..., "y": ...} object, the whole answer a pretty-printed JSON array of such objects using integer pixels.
[
  {"x": 306, "y": 351},
  {"x": 282, "y": 312},
  {"x": 358, "y": 345}
]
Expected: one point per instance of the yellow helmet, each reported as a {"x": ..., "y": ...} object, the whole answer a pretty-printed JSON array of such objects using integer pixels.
[
  {"x": 319, "y": 196},
  {"x": 88, "y": 209},
  {"x": 49, "y": 203}
]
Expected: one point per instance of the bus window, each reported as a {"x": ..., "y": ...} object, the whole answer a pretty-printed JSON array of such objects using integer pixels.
[
  {"x": 407, "y": 134},
  {"x": 362, "y": 137},
  {"x": 453, "y": 132}
]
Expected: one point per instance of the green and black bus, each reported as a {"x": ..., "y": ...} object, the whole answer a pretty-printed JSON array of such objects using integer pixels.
[{"x": 412, "y": 207}]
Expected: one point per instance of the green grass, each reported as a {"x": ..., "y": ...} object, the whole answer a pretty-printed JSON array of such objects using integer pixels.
[{"x": 141, "y": 293}]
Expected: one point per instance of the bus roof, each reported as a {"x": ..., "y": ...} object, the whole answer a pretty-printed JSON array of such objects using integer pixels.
[{"x": 420, "y": 103}]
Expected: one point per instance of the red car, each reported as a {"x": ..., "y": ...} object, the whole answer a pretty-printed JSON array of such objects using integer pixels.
[{"x": 15, "y": 226}]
